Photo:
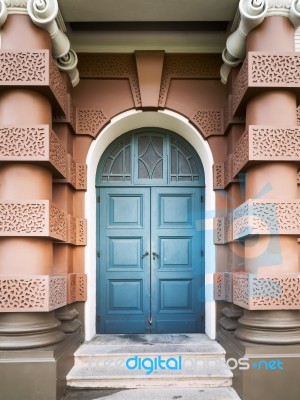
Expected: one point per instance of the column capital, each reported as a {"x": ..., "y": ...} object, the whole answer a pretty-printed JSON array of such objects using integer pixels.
[
  {"x": 16, "y": 6},
  {"x": 279, "y": 7}
]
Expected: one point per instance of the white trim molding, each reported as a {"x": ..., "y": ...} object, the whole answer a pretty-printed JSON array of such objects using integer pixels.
[{"x": 119, "y": 125}]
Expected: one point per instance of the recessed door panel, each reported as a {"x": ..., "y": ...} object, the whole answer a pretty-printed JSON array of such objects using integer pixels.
[
  {"x": 175, "y": 295},
  {"x": 125, "y": 296},
  {"x": 125, "y": 253},
  {"x": 176, "y": 252}
]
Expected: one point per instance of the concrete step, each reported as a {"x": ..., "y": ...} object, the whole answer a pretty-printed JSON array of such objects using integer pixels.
[
  {"x": 150, "y": 361},
  {"x": 171, "y": 394},
  {"x": 107, "y": 346}
]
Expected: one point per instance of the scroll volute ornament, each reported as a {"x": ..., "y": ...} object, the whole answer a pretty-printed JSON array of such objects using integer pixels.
[
  {"x": 3, "y": 12},
  {"x": 43, "y": 14},
  {"x": 252, "y": 13}
]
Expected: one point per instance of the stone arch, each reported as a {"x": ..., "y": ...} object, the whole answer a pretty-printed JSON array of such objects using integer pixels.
[{"x": 123, "y": 123}]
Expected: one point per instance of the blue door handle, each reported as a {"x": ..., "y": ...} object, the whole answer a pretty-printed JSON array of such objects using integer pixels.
[{"x": 155, "y": 255}]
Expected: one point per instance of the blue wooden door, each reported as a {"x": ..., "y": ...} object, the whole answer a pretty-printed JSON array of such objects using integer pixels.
[
  {"x": 151, "y": 263},
  {"x": 123, "y": 301},
  {"x": 177, "y": 291}
]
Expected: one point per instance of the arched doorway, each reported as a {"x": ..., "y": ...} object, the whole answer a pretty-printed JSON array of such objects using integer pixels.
[{"x": 150, "y": 235}]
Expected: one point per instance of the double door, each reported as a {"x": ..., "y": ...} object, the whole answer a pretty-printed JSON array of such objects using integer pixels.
[{"x": 150, "y": 276}]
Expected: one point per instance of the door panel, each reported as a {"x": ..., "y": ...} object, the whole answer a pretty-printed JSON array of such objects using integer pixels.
[
  {"x": 150, "y": 265},
  {"x": 177, "y": 301},
  {"x": 124, "y": 284}
]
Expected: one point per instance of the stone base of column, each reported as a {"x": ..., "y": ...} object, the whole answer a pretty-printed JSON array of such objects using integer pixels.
[
  {"x": 68, "y": 317},
  {"x": 38, "y": 374},
  {"x": 273, "y": 372},
  {"x": 269, "y": 327},
  {"x": 231, "y": 314},
  {"x": 29, "y": 330}
]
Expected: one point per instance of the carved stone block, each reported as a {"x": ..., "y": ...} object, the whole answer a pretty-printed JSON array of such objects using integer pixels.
[
  {"x": 76, "y": 174},
  {"x": 267, "y": 291},
  {"x": 77, "y": 287},
  {"x": 32, "y": 218},
  {"x": 188, "y": 66},
  {"x": 228, "y": 284},
  {"x": 28, "y": 293},
  {"x": 77, "y": 231},
  {"x": 266, "y": 217},
  {"x": 262, "y": 70},
  {"x": 223, "y": 229},
  {"x": 209, "y": 122},
  {"x": 223, "y": 286},
  {"x": 266, "y": 143},
  {"x": 218, "y": 176},
  {"x": 34, "y": 69},
  {"x": 114, "y": 66},
  {"x": 34, "y": 143},
  {"x": 70, "y": 117},
  {"x": 89, "y": 121},
  {"x": 219, "y": 288}
]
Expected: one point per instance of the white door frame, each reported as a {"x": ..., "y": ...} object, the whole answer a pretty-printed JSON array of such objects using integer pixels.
[{"x": 119, "y": 125}]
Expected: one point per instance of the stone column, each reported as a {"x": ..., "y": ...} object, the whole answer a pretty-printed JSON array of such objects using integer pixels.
[
  {"x": 26, "y": 255},
  {"x": 271, "y": 251}
]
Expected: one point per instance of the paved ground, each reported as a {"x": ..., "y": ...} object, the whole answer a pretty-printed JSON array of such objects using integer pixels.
[
  {"x": 87, "y": 394},
  {"x": 154, "y": 394}
]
